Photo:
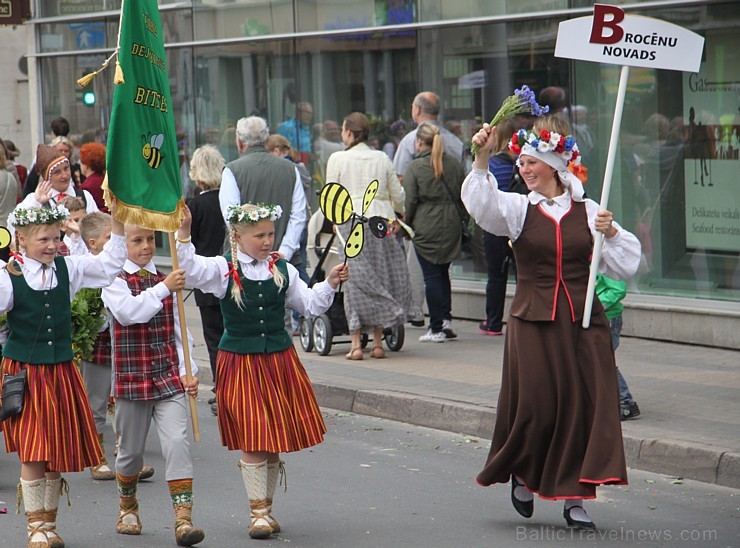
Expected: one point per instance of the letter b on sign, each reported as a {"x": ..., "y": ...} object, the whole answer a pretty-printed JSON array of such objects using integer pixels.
[{"x": 600, "y": 23}]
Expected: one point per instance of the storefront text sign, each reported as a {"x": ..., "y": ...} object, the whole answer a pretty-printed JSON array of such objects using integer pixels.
[
  {"x": 14, "y": 12},
  {"x": 614, "y": 37}
]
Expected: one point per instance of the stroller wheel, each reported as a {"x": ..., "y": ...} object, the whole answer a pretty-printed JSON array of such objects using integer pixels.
[
  {"x": 394, "y": 337},
  {"x": 322, "y": 335},
  {"x": 306, "y": 334}
]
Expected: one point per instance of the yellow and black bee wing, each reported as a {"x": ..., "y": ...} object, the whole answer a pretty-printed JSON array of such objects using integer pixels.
[
  {"x": 370, "y": 192},
  {"x": 4, "y": 237},
  {"x": 158, "y": 140},
  {"x": 335, "y": 203},
  {"x": 355, "y": 241}
]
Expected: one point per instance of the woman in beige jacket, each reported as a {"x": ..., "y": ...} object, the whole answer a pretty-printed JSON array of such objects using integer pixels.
[{"x": 378, "y": 295}]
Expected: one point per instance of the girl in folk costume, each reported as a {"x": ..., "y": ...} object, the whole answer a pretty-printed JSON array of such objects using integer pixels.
[
  {"x": 266, "y": 404},
  {"x": 55, "y": 431}
]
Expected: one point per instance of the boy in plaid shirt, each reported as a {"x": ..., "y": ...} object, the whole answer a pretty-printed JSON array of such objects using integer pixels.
[
  {"x": 150, "y": 382},
  {"x": 94, "y": 232}
]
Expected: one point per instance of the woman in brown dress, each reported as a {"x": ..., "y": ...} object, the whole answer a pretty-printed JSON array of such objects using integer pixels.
[{"x": 557, "y": 431}]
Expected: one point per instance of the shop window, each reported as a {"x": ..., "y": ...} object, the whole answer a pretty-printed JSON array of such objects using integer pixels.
[
  {"x": 242, "y": 18},
  {"x": 329, "y": 15}
]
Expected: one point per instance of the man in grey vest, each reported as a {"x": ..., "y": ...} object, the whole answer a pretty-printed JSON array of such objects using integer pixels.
[{"x": 258, "y": 176}]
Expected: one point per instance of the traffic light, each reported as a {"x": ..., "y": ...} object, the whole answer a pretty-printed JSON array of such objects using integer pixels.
[{"x": 88, "y": 98}]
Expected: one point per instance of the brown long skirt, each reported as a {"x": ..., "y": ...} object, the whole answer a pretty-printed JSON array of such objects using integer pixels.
[
  {"x": 266, "y": 403},
  {"x": 557, "y": 422},
  {"x": 56, "y": 425}
]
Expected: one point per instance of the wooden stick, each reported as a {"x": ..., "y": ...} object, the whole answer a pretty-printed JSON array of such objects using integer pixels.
[{"x": 184, "y": 334}]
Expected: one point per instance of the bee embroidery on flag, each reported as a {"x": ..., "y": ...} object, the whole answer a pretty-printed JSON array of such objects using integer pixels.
[
  {"x": 336, "y": 205},
  {"x": 151, "y": 151}
]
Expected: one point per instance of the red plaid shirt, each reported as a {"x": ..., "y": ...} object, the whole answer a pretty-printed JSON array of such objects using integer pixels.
[
  {"x": 102, "y": 349},
  {"x": 145, "y": 354}
]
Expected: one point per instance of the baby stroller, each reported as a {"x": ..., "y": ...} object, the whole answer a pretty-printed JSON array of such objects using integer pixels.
[{"x": 319, "y": 333}]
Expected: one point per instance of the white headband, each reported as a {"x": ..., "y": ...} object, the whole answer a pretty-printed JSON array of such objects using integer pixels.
[
  {"x": 552, "y": 159},
  {"x": 556, "y": 162}
]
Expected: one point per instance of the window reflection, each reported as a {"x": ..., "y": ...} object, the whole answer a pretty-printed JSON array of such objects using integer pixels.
[{"x": 678, "y": 148}]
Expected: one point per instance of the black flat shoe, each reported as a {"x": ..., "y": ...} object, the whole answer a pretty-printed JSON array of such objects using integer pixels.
[
  {"x": 525, "y": 508},
  {"x": 578, "y": 524}
]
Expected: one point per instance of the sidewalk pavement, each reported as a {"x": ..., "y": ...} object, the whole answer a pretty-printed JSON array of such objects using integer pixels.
[{"x": 689, "y": 396}]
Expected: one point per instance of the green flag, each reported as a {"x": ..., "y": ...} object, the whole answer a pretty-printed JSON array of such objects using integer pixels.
[{"x": 142, "y": 161}]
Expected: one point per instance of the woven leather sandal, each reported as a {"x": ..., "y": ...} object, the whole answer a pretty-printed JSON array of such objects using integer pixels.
[{"x": 125, "y": 525}]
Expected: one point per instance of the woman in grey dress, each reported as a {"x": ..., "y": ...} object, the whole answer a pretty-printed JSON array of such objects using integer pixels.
[{"x": 378, "y": 295}]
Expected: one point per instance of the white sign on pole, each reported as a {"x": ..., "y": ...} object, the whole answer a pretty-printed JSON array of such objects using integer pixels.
[{"x": 614, "y": 37}]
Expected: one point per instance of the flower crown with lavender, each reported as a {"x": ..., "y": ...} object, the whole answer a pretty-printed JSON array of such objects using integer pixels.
[
  {"x": 235, "y": 214},
  {"x": 24, "y": 216},
  {"x": 546, "y": 141}
]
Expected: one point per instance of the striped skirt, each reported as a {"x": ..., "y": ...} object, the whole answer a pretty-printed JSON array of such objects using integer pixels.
[
  {"x": 266, "y": 403},
  {"x": 56, "y": 425}
]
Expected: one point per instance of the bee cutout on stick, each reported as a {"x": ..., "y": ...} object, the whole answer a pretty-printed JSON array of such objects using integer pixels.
[
  {"x": 150, "y": 151},
  {"x": 5, "y": 237},
  {"x": 336, "y": 205}
]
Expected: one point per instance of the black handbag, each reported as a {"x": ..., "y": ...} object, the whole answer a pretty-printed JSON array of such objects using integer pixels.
[{"x": 12, "y": 395}]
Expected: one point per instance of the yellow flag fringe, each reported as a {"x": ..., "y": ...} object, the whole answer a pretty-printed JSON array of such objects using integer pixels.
[{"x": 138, "y": 216}]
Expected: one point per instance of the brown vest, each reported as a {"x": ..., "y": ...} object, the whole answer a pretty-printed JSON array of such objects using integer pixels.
[{"x": 551, "y": 258}]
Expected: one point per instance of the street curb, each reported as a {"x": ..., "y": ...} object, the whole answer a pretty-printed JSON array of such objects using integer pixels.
[{"x": 669, "y": 457}]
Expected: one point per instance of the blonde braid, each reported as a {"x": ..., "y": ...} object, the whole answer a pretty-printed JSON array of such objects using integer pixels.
[
  {"x": 236, "y": 293},
  {"x": 12, "y": 267},
  {"x": 278, "y": 277}
]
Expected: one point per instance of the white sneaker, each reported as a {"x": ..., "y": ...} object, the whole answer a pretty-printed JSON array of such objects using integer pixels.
[
  {"x": 429, "y": 336},
  {"x": 447, "y": 329}
]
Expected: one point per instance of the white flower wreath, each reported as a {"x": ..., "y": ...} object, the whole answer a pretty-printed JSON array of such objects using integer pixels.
[
  {"x": 236, "y": 214},
  {"x": 24, "y": 216}
]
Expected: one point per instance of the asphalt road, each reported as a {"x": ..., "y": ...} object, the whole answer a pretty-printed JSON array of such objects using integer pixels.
[{"x": 377, "y": 483}]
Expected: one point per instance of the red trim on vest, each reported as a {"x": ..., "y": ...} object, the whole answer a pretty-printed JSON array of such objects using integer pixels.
[{"x": 559, "y": 262}]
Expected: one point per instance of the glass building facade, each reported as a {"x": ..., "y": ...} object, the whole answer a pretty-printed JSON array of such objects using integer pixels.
[{"x": 676, "y": 178}]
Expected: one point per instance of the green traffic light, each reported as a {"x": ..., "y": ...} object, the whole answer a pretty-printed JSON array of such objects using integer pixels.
[{"x": 88, "y": 98}]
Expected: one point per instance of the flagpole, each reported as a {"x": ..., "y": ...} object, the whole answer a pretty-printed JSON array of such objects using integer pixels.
[
  {"x": 599, "y": 238},
  {"x": 184, "y": 335}
]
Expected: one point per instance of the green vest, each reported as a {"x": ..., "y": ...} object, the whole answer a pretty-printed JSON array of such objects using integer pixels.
[
  {"x": 40, "y": 321},
  {"x": 260, "y": 327},
  {"x": 262, "y": 177}
]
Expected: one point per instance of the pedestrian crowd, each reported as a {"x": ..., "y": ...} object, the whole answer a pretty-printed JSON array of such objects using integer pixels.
[{"x": 89, "y": 323}]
